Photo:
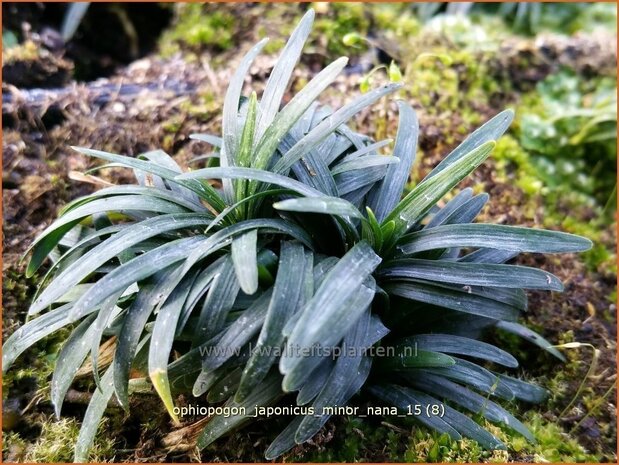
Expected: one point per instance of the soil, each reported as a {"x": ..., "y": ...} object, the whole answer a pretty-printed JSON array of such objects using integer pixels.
[
  {"x": 38, "y": 167},
  {"x": 130, "y": 32}
]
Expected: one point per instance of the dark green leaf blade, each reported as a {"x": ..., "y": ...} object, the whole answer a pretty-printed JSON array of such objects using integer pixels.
[
  {"x": 326, "y": 205},
  {"x": 489, "y": 131},
  {"x": 318, "y": 320},
  {"x": 460, "y": 301},
  {"x": 387, "y": 194},
  {"x": 255, "y": 175},
  {"x": 123, "y": 203},
  {"x": 92, "y": 418},
  {"x": 531, "y": 336},
  {"x": 286, "y": 297},
  {"x": 403, "y": 399},
  {"x": 290, "y": 114},
  {"x": 281, "y": 73},
  {"x": 245, "y": 260},
  {"x": 133, "y": 271},
  {"x": 265, "y": 394},
  {"x": 419, "y": 201},
  {"x": 473, "y": 402},
  {"x": 205, "y": 191},
  {"x": 125, "y": 238},
  {"x": 34, "y": 331},
  {"x": 493, "y": 236},
  {"x": 452, "y": 344},
  {"x": 470, "y": 274},
  {"x": 328, "y": 126},
  {"x": 70, "y": 359}
]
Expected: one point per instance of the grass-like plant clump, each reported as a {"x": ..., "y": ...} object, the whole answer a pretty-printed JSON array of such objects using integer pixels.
[{"x": 279, "y": 273}]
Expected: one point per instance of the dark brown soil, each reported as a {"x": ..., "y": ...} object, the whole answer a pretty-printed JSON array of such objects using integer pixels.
[{"x": 130, "y": 32}]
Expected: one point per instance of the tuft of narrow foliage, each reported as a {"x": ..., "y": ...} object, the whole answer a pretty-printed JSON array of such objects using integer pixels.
[{"x": 298, "y": 240}]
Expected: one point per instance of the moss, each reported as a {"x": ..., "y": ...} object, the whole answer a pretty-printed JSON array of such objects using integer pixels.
[
  {"x": 463, "y": 32},
  {"x": 19, "y": 287},
  {"x": 513, "y": 164},
  {"x": 56, "y": 444},
  {"x": 424, "y": 447},
  {"x": 554, "y": 444},
  {"x": 335, "y": 20},
  {"x": 549, "y": 161},
  {"x": 452, "y": 85},
  {"x": 517, "y": 165},
  {"x": 27, "y": 51},
  {"x": 359, "y": 439},
  {"x": 197, "y": 27},
  {"x": 13, "y": 447},
  {"x": 274, "y": 46},
  {"x": 600, "y": 257},
  {"x": 202, "y": 108},
  {"x": 355, "y": 439},
  {"x": 595, "y": 16},
  {"x": 398, "y": 21},
  {"x": 173, "y": 125},
  {"x": 41, "y": 358}
]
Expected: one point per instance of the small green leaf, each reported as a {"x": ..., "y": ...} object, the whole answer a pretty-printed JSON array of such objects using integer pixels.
[
  {"x": 365, "y": 84},
  {"x": 351, "y": 39},
  {"x": 395, "y": 75}
]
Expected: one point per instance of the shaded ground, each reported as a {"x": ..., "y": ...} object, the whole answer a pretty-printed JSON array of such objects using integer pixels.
[
  {"x": 38, "y": 167},
  {"x": 130, "y": 32}
]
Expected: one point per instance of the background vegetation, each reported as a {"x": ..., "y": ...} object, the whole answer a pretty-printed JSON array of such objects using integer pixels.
[{"x": 554, "y": 64}]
